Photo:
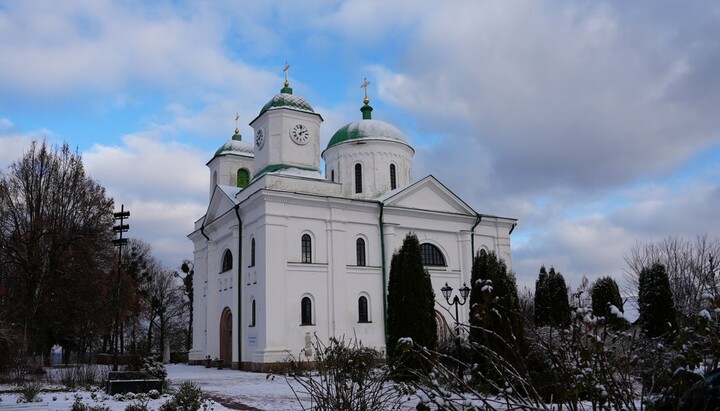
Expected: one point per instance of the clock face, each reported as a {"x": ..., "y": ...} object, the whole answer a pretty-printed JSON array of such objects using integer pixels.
[
  {"x": 259, "y": 138},
  {"x": 300, "y": 134}
]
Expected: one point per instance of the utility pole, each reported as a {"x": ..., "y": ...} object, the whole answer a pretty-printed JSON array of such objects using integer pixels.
[{"x": 119, "y": 243}]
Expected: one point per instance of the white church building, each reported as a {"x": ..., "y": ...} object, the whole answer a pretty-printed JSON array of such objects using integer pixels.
[{"x": 288, "y": 250}]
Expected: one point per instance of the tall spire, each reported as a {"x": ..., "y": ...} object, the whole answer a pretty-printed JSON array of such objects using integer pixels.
[{"x": 366, "y": 109}]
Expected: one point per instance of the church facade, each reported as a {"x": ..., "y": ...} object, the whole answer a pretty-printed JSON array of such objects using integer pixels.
[{"x": 286, "y": 250}]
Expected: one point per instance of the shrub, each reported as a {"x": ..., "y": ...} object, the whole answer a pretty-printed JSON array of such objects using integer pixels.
[
  {"x": 79, "y": 406},
  {"x": 189, "y": 397},
  {"x": 655, "y": 301},
  {"x": 344, "y": 377},
  {"x": 30, "y": 392},
  {"x": 82, "y": 375}
]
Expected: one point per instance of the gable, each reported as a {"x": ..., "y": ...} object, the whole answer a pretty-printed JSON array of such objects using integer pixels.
[
  {"x": 220, "y": 202},
  {"x": 428, "y": 194}
]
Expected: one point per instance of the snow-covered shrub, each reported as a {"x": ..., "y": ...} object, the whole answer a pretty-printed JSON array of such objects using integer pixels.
[
  {"x": 78, "y": 405},
  {"x": 593, "y": 361},
  {"x": 344, "y": 376},
  {"x": 154, "y": 368},
  {"x": 140, "y": 403},
  {"x": 189, "y": 397},
  {"x": 30, "y": 392}
]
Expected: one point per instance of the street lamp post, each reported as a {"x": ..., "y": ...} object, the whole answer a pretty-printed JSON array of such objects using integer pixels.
[{"x": 464, "y": 292}]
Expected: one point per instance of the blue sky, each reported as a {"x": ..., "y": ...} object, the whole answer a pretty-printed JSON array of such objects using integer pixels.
[{"x": 595, "y": 123}]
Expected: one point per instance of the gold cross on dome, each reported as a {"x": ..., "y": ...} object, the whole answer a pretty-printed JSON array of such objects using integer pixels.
[
  {"x": 286, "y": 69},
  {"x": 365, "y": 85},
  {"x": 237, "y": 117}
]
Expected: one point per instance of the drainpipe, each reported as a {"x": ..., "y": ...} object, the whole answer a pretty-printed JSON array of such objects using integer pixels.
[
  {"x": 239, "y": 286},
  {"x": 512, "y": 228},
  {"x": 384, "y": 271},
  {"x": 202, "y": 231},
  {"x": 472, "y": 236}
]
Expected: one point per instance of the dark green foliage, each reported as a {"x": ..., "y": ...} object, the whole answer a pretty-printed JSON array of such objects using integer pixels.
[
  {"x": 189, "y": 397},
  {"x": 411, "y": 303},
  {"x": 495, "y": 315},
  {"x": 551, "y": 300},
  {"x": 605, "y": 292},
  {"x": 655, "y": 301}
]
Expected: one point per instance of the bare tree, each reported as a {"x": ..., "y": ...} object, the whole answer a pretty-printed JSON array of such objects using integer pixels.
[
  {"x": 55, "y": 226},
  {"x": 691, "y": 266},
  {"x": 166, "y": 302}
]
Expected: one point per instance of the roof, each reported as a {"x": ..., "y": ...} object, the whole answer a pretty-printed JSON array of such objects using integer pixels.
[
  {"x": 367, "y": 129},
  {"x": 236, "y": 146},
  {"x": 286, "y": 99}
]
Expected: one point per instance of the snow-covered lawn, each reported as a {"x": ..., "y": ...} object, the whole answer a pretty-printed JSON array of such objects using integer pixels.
[{"x": 236, "y": 389}]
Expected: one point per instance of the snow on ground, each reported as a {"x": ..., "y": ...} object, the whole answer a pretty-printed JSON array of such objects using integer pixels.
[{"x": 236, "y": 389}]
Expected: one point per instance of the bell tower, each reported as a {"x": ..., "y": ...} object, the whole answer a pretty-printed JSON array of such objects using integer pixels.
[{"x": 286, "y": 133}]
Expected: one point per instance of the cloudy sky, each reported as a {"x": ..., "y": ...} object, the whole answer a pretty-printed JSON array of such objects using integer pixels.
[{"x": 595, "y": 123}]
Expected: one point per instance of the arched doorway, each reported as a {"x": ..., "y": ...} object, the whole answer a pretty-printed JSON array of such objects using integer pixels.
[{"x": 226, "y": 336}]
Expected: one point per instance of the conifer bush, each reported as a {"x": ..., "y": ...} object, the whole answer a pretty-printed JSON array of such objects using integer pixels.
[
  {"x": 410, "y": 306},
  {"x": 655, "y": 301}
]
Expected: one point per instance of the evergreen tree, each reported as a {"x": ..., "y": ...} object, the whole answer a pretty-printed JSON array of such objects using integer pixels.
[
  {"x": 655, "y": 301},
  {"x": 605, "y": 292},
  {"x": 542, "y": 305},
  {"x": 411, "y": 304},
  {"x": 551, "y": 300},
  {"x": 495, "y": 315}
]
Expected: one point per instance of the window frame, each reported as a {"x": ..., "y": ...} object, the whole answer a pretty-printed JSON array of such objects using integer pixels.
[
  {"x": 393, "y": 177},
  {"x": 358, "y": 178},
  {"x": 306, "y": 313},
  {"x": 246, "y": 177},
  {"x": 363, "y": 310},
  {"x": 360, "y": 252},
  {"x": 432, "y": 256},
  {"x": 253, "y": 313},
  {"x": 306, "y": 249},
  {"x": 252, "y": 252},
  {"x": 227, "y": 261}
]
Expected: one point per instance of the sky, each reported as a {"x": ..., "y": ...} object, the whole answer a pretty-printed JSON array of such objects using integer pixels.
[{"x": 595, "y": 123}]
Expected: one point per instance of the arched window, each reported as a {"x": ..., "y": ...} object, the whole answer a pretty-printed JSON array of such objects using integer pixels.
[
  {"x": 360, "y": 251},
  {"x": 227, "y": 261},
  {"x": 358, "y": 178},
  {"x": 483, "y": 252},
  {"x": 252, "y": 314},
  {"x": 431, "y": 255},
  {"x": 243, "y": 178},
  {"x": 306, "y": 311},
  {"x": 252, "y": 253},
  {"x": 393, "y": 179},
  {"x": 363, "y": 316},
  {"x": 306, "y": 248}
]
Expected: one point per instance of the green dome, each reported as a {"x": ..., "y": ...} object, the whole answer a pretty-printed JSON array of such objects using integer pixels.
[
  {"x": 235, "y": 146},
  {"x": 367, "y": 129},
  {"x": 286, "y": 99}
]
